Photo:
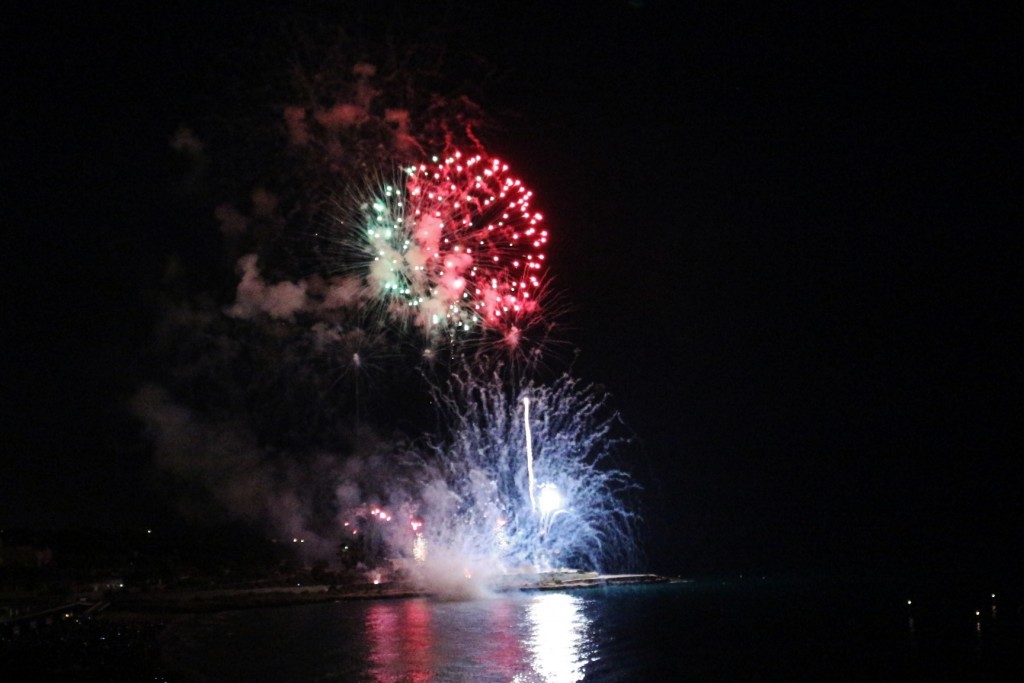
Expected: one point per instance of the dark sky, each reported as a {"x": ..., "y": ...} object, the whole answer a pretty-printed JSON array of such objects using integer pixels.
[{"x": 790, "y": 236}]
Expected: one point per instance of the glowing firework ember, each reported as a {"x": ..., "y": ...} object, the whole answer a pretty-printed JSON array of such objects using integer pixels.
[{"x": 452, "y": 245}]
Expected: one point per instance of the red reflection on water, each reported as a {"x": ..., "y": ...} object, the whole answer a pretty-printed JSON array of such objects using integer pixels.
[
  {"x": 401, "y": 642},
  {"x": 506, "y": 651}
]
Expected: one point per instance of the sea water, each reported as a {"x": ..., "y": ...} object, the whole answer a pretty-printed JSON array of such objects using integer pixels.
[{"x": 749, "y": 629}]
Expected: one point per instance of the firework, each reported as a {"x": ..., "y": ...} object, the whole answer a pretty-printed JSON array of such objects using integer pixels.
[
  {"x": 452, "y": 246},
  {"x": 527, "y": 483}
]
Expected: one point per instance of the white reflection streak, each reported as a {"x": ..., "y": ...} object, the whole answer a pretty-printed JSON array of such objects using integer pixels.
[{"x": 558, "y": 637}]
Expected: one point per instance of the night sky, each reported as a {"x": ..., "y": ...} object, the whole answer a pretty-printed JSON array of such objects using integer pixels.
[{"x": 790, "y": 237}]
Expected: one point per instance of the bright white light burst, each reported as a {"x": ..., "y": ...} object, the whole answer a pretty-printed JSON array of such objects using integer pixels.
[{"x": 477, "y": 504}]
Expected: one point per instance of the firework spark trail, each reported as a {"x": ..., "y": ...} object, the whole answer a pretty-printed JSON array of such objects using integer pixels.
[{"x": 529, "y": 451}]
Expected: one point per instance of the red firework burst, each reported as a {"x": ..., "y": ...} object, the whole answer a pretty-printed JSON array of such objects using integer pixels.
[{"x": 483, "y": 243}]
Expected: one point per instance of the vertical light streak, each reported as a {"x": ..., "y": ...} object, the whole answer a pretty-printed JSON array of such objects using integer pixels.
[{"x": 529, "y": 451}]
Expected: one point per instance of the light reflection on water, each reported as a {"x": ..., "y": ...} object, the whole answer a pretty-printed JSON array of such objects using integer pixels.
[
  {"x": 712, "y": 631},
  {"x": 540, "y": 638},
  {"x": 401, "y": 641},
  {"x": 558, "y": 640}
]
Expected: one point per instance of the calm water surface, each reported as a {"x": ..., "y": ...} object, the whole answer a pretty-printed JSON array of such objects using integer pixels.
[{"x": 703, "y": 631}]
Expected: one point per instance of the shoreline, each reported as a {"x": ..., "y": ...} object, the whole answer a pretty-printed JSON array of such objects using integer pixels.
[{"x": 169, "y": 605}]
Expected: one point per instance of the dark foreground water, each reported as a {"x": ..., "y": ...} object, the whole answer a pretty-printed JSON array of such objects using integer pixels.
[{"x": 749, "y": 630}]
